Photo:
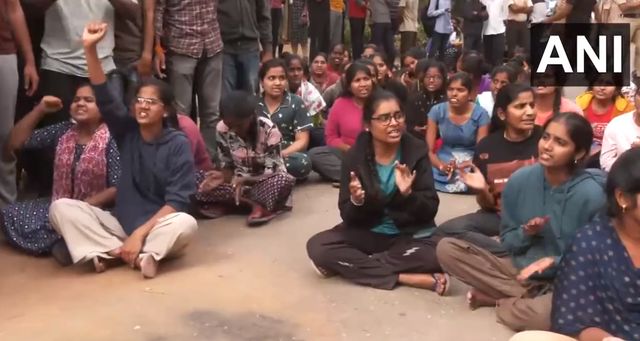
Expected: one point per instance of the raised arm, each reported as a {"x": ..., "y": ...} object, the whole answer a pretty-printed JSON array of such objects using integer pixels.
[{"x": 114, "y": 112}]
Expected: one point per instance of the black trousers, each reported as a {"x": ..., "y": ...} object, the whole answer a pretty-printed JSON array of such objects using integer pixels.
[
  {"x": 438, "y": 45},
  {"x": 357, "y": 37},
  {"x": 472, "y": 42},
  {"x": 319, "y": 27},
  {"x": 407, "y": 41},
  {"x": 517, "y": 35},
  {"x": 494, "y": 46},
  {"x": 477, "y": 228},
  {"x": 382, "y": 35},
  {"x": 276, "y": 21},
  {"x": 373, "y": 259}
]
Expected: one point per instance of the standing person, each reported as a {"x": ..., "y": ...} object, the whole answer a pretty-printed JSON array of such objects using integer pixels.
[
  {"x": 357, "y": 11},
  {"x": 133, "y": 51},
  {"x": 276, "y": 24},
  {"x": 337, "y": 17},
  {"x": 319, "y": 29},
  {"x": 474, "y": 13},
  {"x": 382, "y": 33},
  {"x": 148, "y": 222},
  {"x": 288, "y": 112},
  {"x": 622, "y": 12},
  {"x": 245, "y": 26},
  {"x": 443, "y": 29},
  {"x": 344, "y": 123},
  {"x": 409, "y": 27},
  {"x": 14, "y": 34},
  {"x": 573, "y": 12},
  {"x": 86, "y": 167},
  {"x": 189, "y": 31},
  {"x": 517, "y": 26},
  {"x": 387, "y": 203},
  {"x": 493, "y": 32},
  {"x": 461, "y": 124},
  {"x": 512, "y": 144},
  {"x": 253, "y": 172},
  {"x": 543, "y": 206},
  {"x": 299, "y": 24},
  {"x": 539, "y": 11}
]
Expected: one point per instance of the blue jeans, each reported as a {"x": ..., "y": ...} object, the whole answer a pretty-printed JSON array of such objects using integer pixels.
[
  {"x": 240, "y": 72},
  {"x": 123, "y": 83}
]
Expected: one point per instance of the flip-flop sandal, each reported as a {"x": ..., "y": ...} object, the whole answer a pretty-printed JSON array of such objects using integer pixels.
[
  {"x": 262, "y": 219},
  {"x": 442, "y": 284}
]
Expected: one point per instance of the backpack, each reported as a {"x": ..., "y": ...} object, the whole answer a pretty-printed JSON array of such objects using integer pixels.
[{"x": 428, "y": 23}]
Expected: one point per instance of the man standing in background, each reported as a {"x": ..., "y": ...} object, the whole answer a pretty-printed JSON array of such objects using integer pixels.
[{"x": 409, "y": 26}]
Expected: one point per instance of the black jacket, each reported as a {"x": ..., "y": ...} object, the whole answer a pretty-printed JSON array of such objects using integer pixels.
[
  {"x": 244, "y": 23},
  {"x": 409, "y": 214}
]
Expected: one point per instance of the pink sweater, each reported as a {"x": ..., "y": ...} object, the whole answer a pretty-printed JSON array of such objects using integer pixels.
[
  {"x": 198, "y": 148},
  {"x": 566, "y": 105},
  {"x": 344, "y": 123}
]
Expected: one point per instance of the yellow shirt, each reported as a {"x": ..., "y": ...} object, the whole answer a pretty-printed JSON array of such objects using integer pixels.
[{"x": 336, "y": 5}]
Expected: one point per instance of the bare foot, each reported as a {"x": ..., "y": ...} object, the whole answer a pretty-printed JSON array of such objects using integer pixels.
[
  {"x": 148, "y": 266},
  {"x": 477, "y": 299}
]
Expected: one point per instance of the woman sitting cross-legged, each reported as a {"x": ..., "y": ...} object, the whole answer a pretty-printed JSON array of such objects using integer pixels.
[
  {"x": 87, "y": 167},
  {"x": 512, "y": 144},
  {"x": 387, "y": 202},
  {"x": 148, "y": 222},
  {"x": 543, "y": 206},
  {"x": 596, "y": 291},
  {"x": 461, "y": 124},
  {"x": 253, "y": 172},
  {"x": 289, "y": 114}
]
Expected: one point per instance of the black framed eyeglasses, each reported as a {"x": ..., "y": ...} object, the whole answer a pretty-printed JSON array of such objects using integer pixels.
[{"x": 385, "y": 119}]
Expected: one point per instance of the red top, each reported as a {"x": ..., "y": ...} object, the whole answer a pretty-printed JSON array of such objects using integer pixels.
[
  {"x": 276, "y": 3},
  {"x": 357, "y": 11},
  {"x": 198, "y": 147},
  {"x": 344, "y": 123},
  {"x": 598, "y": 121}
]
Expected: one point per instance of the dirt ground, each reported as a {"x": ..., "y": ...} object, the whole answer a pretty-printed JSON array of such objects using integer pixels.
[{"x": 234, "y": 283}]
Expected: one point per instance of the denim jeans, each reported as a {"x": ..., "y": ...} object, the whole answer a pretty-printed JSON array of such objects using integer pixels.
[
  {"x": 240, "y": 72},
  {"x": 123, "y": 83}
]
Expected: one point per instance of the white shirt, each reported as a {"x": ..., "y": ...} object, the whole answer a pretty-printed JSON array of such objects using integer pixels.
[
  {"x": 409, "y": 16},
  {"x": 486, "y": 101},
  {"x": 498, "y": 12},
  {"x": 619, "y": 135},
  {"x": 520, "y": 17}
]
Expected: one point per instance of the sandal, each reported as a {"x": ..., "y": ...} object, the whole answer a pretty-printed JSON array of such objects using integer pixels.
[
  {"x": 99, "y": 265},
  {"x": 259, "y": 216},
  {"x": 442, "y": 284}
]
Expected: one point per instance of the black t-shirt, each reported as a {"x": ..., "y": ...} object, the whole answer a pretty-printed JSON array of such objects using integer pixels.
[
  {"x": 581, "y": 12},
  {"x": 497, "y": 158}
]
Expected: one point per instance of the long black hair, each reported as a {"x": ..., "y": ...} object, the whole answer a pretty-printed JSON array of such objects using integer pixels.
[
  {"x": 350, "y": 75},
  {"x": 504, "y": 98},
  {"x": 165, "y": 94},
  {"x": 421, "y": 71},
  {"x": 580, "y": 133},
  {"x": 625, "y": 177},
  {"x": 369, "y": 175},
  {"x": 241, "y": 105}
]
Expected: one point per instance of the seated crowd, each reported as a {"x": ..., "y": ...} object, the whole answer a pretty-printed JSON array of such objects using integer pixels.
[{"x": 554, "y": 246}]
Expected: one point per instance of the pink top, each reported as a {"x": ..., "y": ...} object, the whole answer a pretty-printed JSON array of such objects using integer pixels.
[
  {"x": 276, "y": 3},
  {"x": 565, "y": 106},
  {"x": 344, "y": 123},
  {"x": 198, "y": 148}
]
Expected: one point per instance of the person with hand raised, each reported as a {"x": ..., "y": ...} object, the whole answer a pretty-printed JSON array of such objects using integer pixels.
[
  {"x": 542, "y": 208},
  {"x": 148, "y": 222},
  {"x": 387, "y": 203}
]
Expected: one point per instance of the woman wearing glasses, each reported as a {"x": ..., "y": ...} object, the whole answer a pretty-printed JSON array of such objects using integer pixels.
[
  {"x": 87, "y": 166},
  {"x": 388, "y": 203},
  {"x": 148, "y": 222},
  {"x": 429, "y": 89}
]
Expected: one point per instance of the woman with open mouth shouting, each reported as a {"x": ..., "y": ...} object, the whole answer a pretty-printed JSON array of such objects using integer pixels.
[{"x": 387, "y": 202}]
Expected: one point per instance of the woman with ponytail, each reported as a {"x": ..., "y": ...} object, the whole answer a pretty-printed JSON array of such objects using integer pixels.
[{"x": 388, "y": 203}]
